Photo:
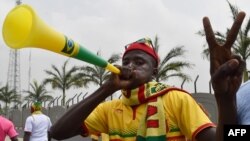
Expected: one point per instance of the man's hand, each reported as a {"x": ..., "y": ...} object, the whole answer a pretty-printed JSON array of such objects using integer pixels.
[
  {"x": 226, "y": 69},
  {"x": 124, "y": 80}
]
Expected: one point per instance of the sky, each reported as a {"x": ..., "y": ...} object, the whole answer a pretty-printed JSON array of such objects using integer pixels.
[{"x": 108, "y": 25}]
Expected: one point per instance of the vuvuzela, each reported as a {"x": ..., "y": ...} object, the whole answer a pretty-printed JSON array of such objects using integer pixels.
[{"x": 23, "y": 28}]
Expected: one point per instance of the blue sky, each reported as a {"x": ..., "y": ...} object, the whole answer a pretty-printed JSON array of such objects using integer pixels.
[{"x": 108, "y": 25}]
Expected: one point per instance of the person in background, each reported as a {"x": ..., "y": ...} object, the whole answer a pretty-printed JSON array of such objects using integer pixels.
[
  {"x": 243, "y": 106},
  {"x": 150, "y": 110},
  {"x": 37, "y": 125},
  {"x": 7, "y": 128}
]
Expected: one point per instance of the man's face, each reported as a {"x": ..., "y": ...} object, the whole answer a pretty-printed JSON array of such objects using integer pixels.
[{"x": 142, "y": 63}]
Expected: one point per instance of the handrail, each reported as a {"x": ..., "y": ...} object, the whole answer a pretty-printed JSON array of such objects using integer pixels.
[
  {"x": 52, "y": 102},
  {"x": 210, "y": 87},
  {"x": 57, "y": 101},
  {"x": 183, "y": 83},
  {"x": 79, "y": 96},
  {"x": 195, "y": 83},
  {"x": 67, "y": 102},
  {"x": 73, "y": 99},
  {"x": 84, "y": 95},
  {"x": 62, "y": 99}
]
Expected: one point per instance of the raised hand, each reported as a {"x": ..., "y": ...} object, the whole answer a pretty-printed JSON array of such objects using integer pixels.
[{"x": 226, "y": 69}]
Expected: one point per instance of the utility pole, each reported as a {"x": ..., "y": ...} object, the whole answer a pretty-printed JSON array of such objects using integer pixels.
[
  {"x": 18, "y": 2},
  {"x": 13, "y": 78}
]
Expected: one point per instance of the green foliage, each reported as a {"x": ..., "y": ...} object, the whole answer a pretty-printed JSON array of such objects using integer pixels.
[
  {"x": 8, "y": 96},
  {"x": 242, "y": 44},
  {"x": 38, "y": 92},
  {"x": 170, "y": 66},
  {"x": 63, "y": 79},
  {"x": 95, "y": 74}
]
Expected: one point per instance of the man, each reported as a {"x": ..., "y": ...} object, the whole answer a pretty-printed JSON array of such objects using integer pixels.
[
  {"x": 7, "y": 128},
  {"x": 150, "y": 110},
  {"x": 37, "y": 125}
]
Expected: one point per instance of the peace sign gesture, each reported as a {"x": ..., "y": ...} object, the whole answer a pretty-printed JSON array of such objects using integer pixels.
[{"x": 226, "y": 69}]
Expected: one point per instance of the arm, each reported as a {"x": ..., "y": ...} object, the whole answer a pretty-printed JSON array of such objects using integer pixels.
[
  {"x": 26, "y": 136},
  {"x": 12, "y": 133},
  {"x": 14, "y": 138},
  {"x": 226, "y": 72},
  {"x": 49, "y": 126},
  {"x": 70, "y": 124},
  {"x": 49, "y": 136}
]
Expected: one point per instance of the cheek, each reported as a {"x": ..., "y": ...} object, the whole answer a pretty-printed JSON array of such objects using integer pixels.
[{"x": 144, "y": 72}]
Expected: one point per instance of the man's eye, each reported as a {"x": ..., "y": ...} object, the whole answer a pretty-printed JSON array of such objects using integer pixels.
[
  {"x": 139, "y": 62},
  {"x": 125, "y": 63}
]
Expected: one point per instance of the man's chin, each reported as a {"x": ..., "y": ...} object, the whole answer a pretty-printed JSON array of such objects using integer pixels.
[{"x": 134, "y": 86}]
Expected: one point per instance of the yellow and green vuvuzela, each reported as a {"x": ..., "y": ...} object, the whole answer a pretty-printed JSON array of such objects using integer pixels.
[{"x": 23, "y": 28}]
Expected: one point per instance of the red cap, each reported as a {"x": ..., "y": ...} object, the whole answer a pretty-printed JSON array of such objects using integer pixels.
[{"x": 143, "y": 47}]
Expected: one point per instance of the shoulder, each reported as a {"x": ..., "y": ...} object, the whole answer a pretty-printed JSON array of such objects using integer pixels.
[
  {"x": 178, "y": 98},
  {"x": 174, "y": 92},
  {"x": 115, "y": 102},
  {"x": 108, "y": 105},
  {"x": 5, "y": 121},
  {"x": 243, "y": 95},
  {"x": 243, "y": 106},
  {"x": 44, "y": 116},
  {"x": 244, "y": 89},
  {"x": 29, "y": 118}
]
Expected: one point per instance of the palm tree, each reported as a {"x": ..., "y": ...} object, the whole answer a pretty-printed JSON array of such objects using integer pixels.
[
  {"x": 169, "y": 67},
  {"x": 38, "y": 92},
  {"x": 64, "y": 79},
  {"x": 95, "y": 74},
  {"x": 242, "y": 43},
  {"x": 9, "y": 96}
]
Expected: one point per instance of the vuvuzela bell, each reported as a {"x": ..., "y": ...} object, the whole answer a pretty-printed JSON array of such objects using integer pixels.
[{"x": 23, "y": 28}]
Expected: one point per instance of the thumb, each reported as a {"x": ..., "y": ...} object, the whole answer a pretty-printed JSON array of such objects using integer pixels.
[{"x": 227, "y": 69}]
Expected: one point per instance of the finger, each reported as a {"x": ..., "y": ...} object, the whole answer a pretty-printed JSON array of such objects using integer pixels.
[
  {"x": 214, "y": 65},
  {"x": 242, "y": 64},
  {"x": 209, "y": 33},
  {"x": 232, "y": 35},
  {"x": 226, "y": 70},
  {"x": 126, "y": 73}
]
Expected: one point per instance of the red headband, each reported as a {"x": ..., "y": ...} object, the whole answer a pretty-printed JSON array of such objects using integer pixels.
[{"x": 143, "y": 47}]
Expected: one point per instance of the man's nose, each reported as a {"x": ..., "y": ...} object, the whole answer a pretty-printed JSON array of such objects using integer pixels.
[{"x": 131, "y": 65}]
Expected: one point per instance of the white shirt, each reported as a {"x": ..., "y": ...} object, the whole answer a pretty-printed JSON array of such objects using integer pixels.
[{"x": 38, "y": 125}]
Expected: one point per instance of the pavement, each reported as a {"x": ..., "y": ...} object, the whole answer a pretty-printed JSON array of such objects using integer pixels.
[
  {"x": 71, "y": 139},
  {"x": 76, "y": 138},
  {"x": 8, "y": 139}
]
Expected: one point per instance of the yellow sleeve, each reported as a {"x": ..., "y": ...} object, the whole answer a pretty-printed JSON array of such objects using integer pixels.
[
  {"x": 96, "y": 121},
  {"x": 185, "y": 112}
]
